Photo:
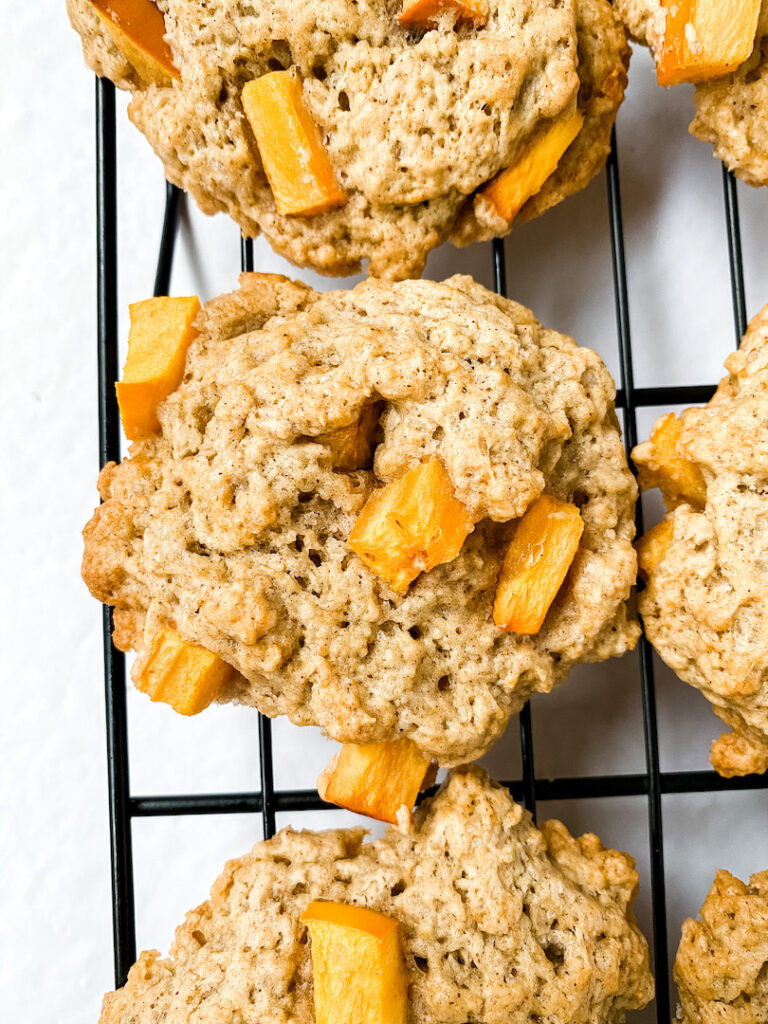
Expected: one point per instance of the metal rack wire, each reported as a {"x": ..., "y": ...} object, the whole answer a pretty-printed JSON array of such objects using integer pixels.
[{"x": 267, "y": 801}]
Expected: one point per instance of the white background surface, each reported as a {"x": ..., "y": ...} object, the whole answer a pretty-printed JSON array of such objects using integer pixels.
[{"x": 55, "y": 950}]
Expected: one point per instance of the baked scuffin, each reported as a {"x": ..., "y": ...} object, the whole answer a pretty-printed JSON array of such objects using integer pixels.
[
  {"x": 705, "y": 606},
  {"x": 413, "y": 121},
  {"x": 731, "y": 109},
  {"x": 721, "y": 967},
  {"x": 500, "y": 922},
  {"x": 231, "y": 526}
]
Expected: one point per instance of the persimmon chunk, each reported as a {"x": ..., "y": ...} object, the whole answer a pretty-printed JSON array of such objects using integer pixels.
[
  {"x": 425, "y": 13},
  {"x": 294, "y": 158},
  {"x": 411, "y": 525},
  {"x": 660, "y": 466},
  {"x": 357, "y": 965},
  {"x": 376, "y": 779},
  {"x": 351, "y": 447},
  {"x": 161, "y": 332},
  {"x": 138, "y": 30},
  {"x": 652, "y": 546},
  {"x": 511, "y": 188},
  {"x": 705, "y": 39},
  {"x": 536, "y": 563},
  {"x": 182, "y": 674}
]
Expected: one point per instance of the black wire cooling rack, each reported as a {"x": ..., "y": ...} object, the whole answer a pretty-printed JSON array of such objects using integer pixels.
[{"x": 124, "y": 806}]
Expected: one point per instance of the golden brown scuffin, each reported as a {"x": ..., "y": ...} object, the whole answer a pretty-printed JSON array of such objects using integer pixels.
[
  {"x": 705, "y": 608},
  {"x": 231, "y": 525},
  {"x": 732, "y": 109},
  {"x": 500, "y": 922},
  {"x": 413, "y": 122},
  {"x": 721, "y": 967}
]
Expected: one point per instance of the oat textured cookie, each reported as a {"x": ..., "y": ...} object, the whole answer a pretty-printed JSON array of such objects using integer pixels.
[
  {"x": 721, "y": 968},
  {"x": 413, "y": 121},
  {"x": 732, "y": 109},
  {"x": 705, "y": 607},
  {"x": 231, "y": 525},
  {"x": 500, "y": 922}
]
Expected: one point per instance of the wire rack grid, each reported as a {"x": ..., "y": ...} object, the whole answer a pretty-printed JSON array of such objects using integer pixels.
[{"x": 267, "y": 801}]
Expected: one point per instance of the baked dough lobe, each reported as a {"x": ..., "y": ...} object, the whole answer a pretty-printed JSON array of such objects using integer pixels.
[
  {"x": 231, "y": 525},
  {"x": 705, "y": 607},
  {"x": 413, "y": 122},
  {"x": 501, "y": 923},
  {"x": 721, "y": 967}
]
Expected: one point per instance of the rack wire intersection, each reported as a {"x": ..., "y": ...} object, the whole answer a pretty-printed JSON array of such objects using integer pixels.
[{"x": 124, "y": 806}]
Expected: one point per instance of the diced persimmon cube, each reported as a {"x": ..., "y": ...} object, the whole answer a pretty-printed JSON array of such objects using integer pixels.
[
  {"x": 357, "y": 965},
  {"x": 295, "y": 161},
  {"x": 511, "y": 188},
  {"x": 375, "y": 779},
  {"x": 652, "y": 545},
  {"x": 536, "y": 563},
  {"x": 138, "y": 30},
  {"x": 670, "y": 53},
  {"x": 161, "y": 332},
  {"x": 659, "y": 465},
  {"x": 705, "y": 39},
  {"x": 351, "y": 447},
  {"x": 425, "y": 13},
  {"x": 411, "y": 525},
  {"x": 182, "y": 674}
]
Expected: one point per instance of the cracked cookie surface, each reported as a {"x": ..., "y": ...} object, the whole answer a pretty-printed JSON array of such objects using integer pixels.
[
  {"x": 721, "y": 967},
  {"x": 413, "y": 122},
  {"x": 231, "y": 525},
  {"x": 500, "y": 922}
]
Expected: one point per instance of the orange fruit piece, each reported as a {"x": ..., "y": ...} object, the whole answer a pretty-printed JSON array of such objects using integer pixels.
[
  {"x": 424, "y": 13},
  {"x": 357, "y": 965},
  {"x": 511, "y": 188},
  {"x": 351, "y": 447},
  {"x": 161, "y": 332},
  {"x": 138, "y": 30},
  {"x": 295, "y": 161},
  {"x": 375, "y": 779},
  {"x": 705, "y": 39},
  {"x": 182, "y": 674},
  {"x": 536, "y": 563},
  {"x": 660, "y": 466},
  {"x": 411, "y": 525},
  {"x": 652, "y": 545}
]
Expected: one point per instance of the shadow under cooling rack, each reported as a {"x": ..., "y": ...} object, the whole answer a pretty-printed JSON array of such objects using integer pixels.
[{"x": 123, "y": 806}]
